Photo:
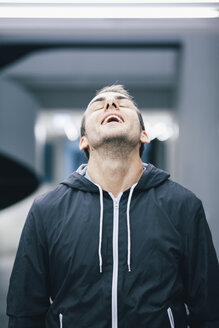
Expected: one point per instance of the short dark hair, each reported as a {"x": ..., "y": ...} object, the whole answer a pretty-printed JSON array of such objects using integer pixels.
[{"x": 120, "y": 89}]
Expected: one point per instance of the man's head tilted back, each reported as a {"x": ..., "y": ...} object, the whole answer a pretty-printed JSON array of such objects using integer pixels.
[{"x": 112, "y": 118}]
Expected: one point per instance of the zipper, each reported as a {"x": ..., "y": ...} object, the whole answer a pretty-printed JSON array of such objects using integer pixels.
[
  {"x": 60, "y": 320},
  {"x": 171, "y": 319},
  {"x": 115, "y": 259}
]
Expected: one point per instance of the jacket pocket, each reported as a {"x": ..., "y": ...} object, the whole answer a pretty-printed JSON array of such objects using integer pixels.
[
  {"x": 60, "y": 320},
  {"x": 171, "y": 318}
]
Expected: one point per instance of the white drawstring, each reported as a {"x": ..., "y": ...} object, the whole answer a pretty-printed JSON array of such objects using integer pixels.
[
  {"x": 101, "y": 226},
  {"x": 60, "y": 320},
  {"x": 128, "y": 226}
]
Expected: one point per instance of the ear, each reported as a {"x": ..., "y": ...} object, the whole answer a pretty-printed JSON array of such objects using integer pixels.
[
  {"x": 144, "y": 137},
  {"x": 83, "y": 143}
]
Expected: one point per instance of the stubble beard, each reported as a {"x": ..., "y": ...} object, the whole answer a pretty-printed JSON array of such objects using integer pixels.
[{"x": 115, "y": 147}]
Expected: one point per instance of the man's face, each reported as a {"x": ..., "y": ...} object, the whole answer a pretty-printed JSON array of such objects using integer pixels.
[{"x": 111, "y": 116}]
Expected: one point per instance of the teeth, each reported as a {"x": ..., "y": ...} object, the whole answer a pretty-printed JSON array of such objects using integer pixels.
[{"x": 113, "y": 116}]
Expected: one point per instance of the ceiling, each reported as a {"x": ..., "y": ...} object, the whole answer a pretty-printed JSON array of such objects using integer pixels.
[
  {"x": 55, "y": 57},
  {"x": 13, "y": 29}
]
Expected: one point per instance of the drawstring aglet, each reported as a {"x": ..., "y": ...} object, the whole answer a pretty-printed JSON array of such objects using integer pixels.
[{"x": 129, "y": 268}]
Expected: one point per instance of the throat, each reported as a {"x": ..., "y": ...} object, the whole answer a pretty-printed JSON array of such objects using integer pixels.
[{"x": 115, "y": 176}]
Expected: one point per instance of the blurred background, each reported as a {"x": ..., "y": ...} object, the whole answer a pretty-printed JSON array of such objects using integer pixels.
[{"x": 51, "y": 67}]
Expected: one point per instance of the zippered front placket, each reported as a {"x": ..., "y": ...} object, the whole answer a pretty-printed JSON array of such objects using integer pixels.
[{"x": 115, "y": 259}]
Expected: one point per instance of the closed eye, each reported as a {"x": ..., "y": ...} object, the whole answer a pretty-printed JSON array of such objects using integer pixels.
[{"x": 99, "y": 108}]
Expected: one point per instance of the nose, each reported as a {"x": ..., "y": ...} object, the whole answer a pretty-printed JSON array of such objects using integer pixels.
[{"x": 111, "y": 104}]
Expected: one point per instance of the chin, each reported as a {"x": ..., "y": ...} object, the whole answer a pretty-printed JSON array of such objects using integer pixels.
[
  {"x": 116, "y": 138},
  {"x": 115, "y": 134}
]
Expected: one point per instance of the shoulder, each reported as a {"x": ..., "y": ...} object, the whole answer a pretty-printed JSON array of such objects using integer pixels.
[
  {"x": 176, "y": 192},
  {"x": 52, "y": 196},
  {"x": 180, "y": 204},
  {"x": 46, "y": 206}
]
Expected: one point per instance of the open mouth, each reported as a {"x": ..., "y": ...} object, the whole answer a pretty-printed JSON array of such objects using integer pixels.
[{"x": 112, "y": 118}]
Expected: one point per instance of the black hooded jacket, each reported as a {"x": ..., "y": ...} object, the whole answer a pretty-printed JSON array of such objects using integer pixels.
[{"x": 89, "y": 260}]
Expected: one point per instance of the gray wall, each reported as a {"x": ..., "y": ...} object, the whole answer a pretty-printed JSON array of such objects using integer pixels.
[
  {"x": 17, "y": 118},
  {"x": 197, "y": 164}
]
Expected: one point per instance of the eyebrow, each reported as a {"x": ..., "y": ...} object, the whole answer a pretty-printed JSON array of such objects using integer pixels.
[{"x": 104, "y": 98}]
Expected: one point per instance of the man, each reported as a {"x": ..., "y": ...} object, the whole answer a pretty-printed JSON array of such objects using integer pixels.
[{"x": 117, "y": 244}]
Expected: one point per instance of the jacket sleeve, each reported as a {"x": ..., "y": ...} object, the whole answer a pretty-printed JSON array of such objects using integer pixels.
[
  {"x": 201, "y": 273},
  {"x": 29, "y": 291}
]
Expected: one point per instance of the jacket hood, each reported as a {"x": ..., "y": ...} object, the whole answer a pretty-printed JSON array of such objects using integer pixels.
[{"x": 150, "y": 178}]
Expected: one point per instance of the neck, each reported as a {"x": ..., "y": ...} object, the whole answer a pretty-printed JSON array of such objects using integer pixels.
[{"x": 115, "y": 174}]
